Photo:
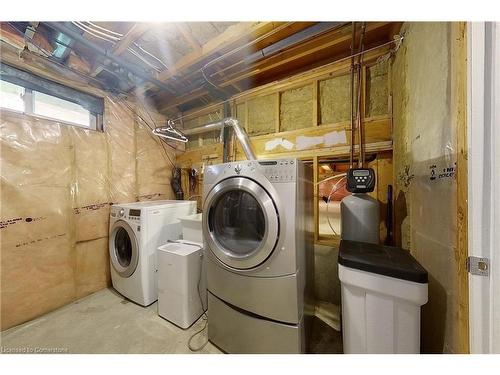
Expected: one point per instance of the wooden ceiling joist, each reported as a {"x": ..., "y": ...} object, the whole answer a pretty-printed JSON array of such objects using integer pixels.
[
  {"x": 337, "y": 38},
  {"x": 326, "y": 41},
  {"x": 231, "y": 60},
  {"x": 11, "y": 36},
  {"x": 233, "y": 36},
  {"x": 297, "y": 80},
  {"x": 186, "y": 33},
  {"x": 135, "y": 32}
]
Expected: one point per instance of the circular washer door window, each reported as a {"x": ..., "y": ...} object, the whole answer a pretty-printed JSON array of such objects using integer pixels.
[
  {"x": 242, "y": 223},
  {"x": 123, "y": 249}
]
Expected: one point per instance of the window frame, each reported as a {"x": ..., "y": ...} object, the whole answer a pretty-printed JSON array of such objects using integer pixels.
[
  {"x": 32, "y": 83},
  {"x": 95, "y": 120}
]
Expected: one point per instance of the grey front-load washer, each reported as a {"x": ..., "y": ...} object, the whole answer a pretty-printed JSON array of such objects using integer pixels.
[{"x": 258, "y": 234}]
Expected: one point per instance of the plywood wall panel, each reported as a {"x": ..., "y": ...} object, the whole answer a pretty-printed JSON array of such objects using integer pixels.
[{"x": 315, "y": 140}]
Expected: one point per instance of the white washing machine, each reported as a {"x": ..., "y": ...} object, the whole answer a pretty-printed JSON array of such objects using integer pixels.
[
  {"x": 258, "y": 239},
  {"x": 135, "y": 232}
]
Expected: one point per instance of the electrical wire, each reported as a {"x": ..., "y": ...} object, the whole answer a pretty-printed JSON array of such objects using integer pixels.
[
  {"x": 206, "y": 79},
  {"x": 154, "y": 123},
  {"x": 55, "y": 62},
  {"x": 104, "y": 29},
  {"x": 94, "y": 31},
  {"x": 329, "y": 178},
  {"x": 334, "y": 190},
  {"x": 150, "y": 54},
  {"x": 233, "y": 51},
  {"x": 204, "y": 315},
  {"x": 133, "y": 52},
  {"x": 91, "y": 33},
  {"x": 192, "y": 114},
  {"x": 151, "y": 128},
  {"x": 262, "y": 54},
  {"x": 126, "y": 104},
  {"x": 114, "y": 39},
  {"x": 397, "y": 41},
  {"x": 193, "y": 349},
  {"x": 120, "y": 36}
]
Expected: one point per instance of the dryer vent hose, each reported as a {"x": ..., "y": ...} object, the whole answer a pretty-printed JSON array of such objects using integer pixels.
[{"x": 176, "y": 184}]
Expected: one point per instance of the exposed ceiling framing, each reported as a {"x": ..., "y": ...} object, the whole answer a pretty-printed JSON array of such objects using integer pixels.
[
  {"x": 135, "y": 31},
  {"x": 193, "y": 64}
]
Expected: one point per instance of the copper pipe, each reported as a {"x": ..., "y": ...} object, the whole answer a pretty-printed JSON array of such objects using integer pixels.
[
  {"x": 361, "y": 158},
  {"x": 351, "y": 149}
]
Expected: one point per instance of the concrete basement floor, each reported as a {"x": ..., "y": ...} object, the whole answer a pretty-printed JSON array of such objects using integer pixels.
[{"x": 105, "y": 322}]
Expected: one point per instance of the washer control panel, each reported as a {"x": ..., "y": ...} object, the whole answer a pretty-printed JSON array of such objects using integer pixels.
[
  {"x": 279, "y": 170},
  {"x": 126, "y": 214},
  {"x": 282, "y": 170}
]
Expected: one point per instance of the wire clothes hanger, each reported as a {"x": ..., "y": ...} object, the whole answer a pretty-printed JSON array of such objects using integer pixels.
[{"x": 169, "y": 132}]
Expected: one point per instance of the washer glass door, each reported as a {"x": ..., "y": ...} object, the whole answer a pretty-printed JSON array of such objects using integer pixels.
[
  {"x": 123, "y": 249},
  {"x": 238, "y": 222},
  {"x": 242, "y": 223}
]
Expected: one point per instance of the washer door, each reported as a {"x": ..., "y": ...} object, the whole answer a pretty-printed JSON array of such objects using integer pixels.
[
  {"x": 123, "y": 249},
  {"x": 241, "y": 224}
]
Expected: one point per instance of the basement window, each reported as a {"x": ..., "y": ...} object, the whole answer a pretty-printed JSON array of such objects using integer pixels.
[
  {"x": 11, "y": 96},
  {"x": 27, "y": 93},
  {"x": 58, "y": 109}
]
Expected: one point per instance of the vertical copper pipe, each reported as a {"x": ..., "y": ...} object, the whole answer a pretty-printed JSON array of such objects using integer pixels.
[
  {"x": 351, "y": 150},
  {"x": 361, "y": 158}
]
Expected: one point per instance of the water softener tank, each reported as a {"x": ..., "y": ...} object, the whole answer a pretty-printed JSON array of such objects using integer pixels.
[
  {"x": 360, "y": 218},
  {"x": 360, "y": 213}
]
